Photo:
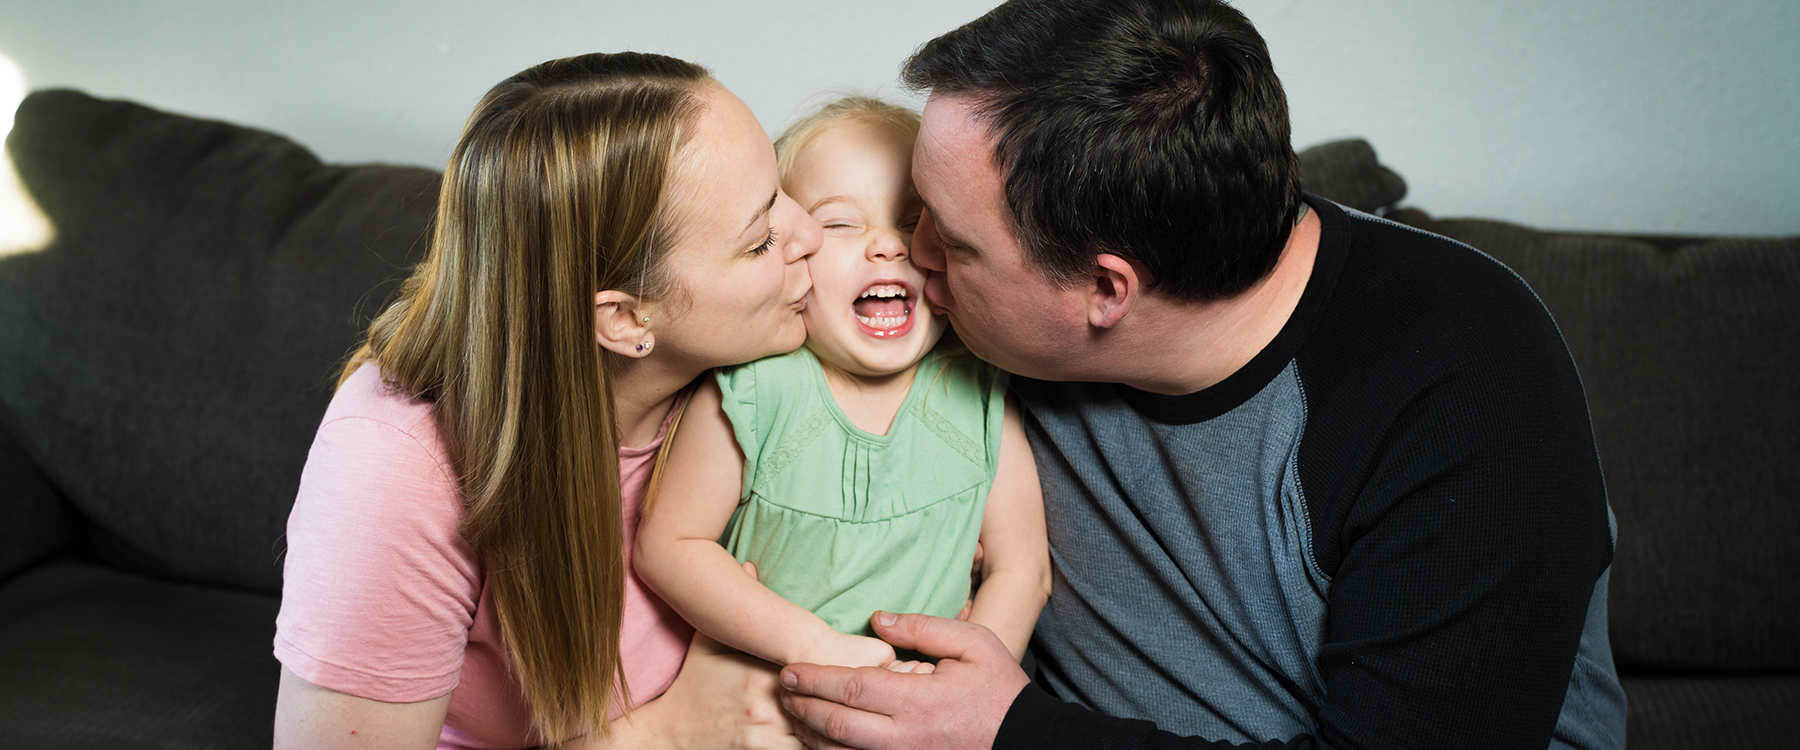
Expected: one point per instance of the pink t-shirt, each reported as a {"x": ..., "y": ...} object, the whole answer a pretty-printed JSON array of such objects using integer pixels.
[{"x": 382, "y": 598}]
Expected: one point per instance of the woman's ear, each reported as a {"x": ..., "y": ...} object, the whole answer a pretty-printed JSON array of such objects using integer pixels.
[
  {"x": 1116, "y": 285},
  {"x": 621, "y": 324}
]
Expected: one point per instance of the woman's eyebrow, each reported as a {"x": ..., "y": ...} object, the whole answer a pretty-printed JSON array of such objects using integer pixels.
[{"x": 759, "y": 214}]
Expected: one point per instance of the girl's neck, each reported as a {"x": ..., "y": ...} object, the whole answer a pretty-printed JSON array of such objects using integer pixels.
[
  {"x": 870, "y": 401},
  {"x": 643, "y": 391}
]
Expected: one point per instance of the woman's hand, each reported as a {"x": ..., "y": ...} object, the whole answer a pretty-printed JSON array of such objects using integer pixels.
[{"x": 722, "y": 700}]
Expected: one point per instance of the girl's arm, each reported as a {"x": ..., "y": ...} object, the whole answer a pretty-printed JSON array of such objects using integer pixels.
[
  {"x": 679, "y": 556},
  {"x": 1015, "y": 567}
]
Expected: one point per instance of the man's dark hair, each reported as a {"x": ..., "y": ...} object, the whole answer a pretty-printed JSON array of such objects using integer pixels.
[{"x": 1155, "y": 130}]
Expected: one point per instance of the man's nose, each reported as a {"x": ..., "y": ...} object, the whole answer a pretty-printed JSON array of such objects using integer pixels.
[{"x": 926, "y": 253}]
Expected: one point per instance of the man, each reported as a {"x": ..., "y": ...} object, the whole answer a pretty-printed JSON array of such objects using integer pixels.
[{"x": 1313, "y": 479}]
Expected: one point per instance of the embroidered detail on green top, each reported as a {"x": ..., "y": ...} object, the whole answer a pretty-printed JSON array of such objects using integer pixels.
[
  {"x": 791, "y": 448},
  {"x": 951, "y": 436}
]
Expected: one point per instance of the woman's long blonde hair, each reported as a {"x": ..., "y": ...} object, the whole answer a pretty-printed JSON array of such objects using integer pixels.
[{"x": 558, "y": 189}]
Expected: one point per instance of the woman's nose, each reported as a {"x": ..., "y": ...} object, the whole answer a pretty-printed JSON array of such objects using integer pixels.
[
  {"x": 887, "y": 246},
  {"x": 805, "y": 240}
]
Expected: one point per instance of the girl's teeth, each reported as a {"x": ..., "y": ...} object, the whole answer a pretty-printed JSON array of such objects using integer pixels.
[{"x": 882, "y": 323}]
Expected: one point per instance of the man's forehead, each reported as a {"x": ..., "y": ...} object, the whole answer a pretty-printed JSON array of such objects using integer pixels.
[{"x": 953, "y": 133}]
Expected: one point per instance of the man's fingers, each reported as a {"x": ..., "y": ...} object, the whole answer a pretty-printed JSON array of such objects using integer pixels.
[
  {"x": 750, "y": 567},
  {"x": 815, "y": 741},
  {"x": 870, "y": 689},
  {"x": 939, "y": 637},
  {"x": 824, "y": 725}
]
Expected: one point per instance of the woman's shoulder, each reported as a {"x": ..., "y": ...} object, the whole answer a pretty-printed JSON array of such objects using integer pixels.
[
  {"x": 377, "y": 456},
  {"x": 370, "y": 405}
]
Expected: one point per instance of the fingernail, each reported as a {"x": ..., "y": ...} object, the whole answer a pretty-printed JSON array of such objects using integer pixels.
[
  {"x": 788, "y": 679},
  {"x": 886, "y": 618}
]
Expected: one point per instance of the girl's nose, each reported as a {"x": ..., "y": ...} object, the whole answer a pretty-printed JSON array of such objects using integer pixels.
[{"x": 887, "y": 246}]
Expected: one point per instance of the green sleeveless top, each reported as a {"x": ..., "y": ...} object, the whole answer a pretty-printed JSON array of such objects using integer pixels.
[{"x": 844, "y": 522}]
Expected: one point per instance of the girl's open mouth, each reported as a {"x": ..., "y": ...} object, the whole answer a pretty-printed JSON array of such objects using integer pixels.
[{"x": 885, "y": 309}]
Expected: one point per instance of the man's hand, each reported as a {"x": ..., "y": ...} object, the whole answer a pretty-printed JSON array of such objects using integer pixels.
[{"x": 959, "y": 705}]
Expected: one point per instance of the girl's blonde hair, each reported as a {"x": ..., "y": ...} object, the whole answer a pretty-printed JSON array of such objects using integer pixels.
[
  {"x": 855, "y": 108},
  {"x": 558, "y": 189}
]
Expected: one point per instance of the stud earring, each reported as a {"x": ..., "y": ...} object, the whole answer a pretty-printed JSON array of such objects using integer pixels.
[
  {"x": 646, "y": 320},
  {"x": 644, "y": 347}
]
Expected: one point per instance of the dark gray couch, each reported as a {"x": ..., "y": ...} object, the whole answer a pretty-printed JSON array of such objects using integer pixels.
[{"x": 164, "y": 362}]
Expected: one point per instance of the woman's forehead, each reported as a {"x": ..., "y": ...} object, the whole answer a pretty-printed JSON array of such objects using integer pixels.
[{"x": 725, "y": 175}]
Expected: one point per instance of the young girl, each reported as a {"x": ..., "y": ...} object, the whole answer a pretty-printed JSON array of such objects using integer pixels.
[{"x": 858, "y": 473}]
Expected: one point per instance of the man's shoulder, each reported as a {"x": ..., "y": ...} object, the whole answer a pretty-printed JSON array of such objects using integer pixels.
[
  {"x": 1416, "y": 319},
  {"x": 1408, "y": 302},
  {"x": 1432, "y": 359}
]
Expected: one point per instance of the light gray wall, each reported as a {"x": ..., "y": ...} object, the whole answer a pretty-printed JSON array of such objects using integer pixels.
[{"x": 1616, "y": 115}]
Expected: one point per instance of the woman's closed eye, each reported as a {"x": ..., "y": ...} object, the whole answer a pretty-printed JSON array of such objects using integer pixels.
[{"x": 769, "y": 241}]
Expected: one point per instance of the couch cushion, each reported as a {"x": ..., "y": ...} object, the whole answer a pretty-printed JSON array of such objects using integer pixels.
[
  {"x": 94, "y": 658},
  {"x": 168, "y": 357},
  {"x": 1689, "y": 359},
  {"x": 33, "y": 520},
  {"x": 1686, "y": 713}
]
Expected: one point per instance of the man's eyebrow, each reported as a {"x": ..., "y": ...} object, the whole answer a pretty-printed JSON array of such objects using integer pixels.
[
  {"x": 765, "y": 209},
  {"x": 942, "y": 233}
]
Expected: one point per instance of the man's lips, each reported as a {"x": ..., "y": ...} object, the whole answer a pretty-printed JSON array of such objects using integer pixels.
[{"x": 935, "y": 292}]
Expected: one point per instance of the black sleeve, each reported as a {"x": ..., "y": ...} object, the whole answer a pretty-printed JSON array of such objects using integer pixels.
[
  {"x": 1464, "y": 565},
  {"x": 1462, "y": 518},
  {"x": 1037, "y": 720}
]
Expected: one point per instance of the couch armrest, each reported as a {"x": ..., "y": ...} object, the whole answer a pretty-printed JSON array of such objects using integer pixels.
[{"x": 34, "y": 520}]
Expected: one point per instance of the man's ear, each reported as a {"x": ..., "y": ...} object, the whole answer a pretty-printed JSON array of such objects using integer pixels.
[
  {"x": 620, "y": 325},
  {"x": 1116, "y": 285}
]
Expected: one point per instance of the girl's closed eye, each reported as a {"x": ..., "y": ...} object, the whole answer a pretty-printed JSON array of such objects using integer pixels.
[{"x": 841, "y": 226}]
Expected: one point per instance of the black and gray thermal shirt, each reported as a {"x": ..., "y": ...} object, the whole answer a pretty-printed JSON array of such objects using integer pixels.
[{"x": 1388, "y": 530}]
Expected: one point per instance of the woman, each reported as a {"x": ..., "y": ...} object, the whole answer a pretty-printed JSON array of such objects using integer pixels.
[{"x": 609, "y": 227}]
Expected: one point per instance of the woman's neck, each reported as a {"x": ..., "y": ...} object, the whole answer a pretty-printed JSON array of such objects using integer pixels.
[
  {"x": 870, "y": 401},
  {"x": 643, "y": 390}
]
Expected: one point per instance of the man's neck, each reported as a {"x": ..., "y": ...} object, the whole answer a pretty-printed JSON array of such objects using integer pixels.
[{"x": 1176, "y": 347}]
